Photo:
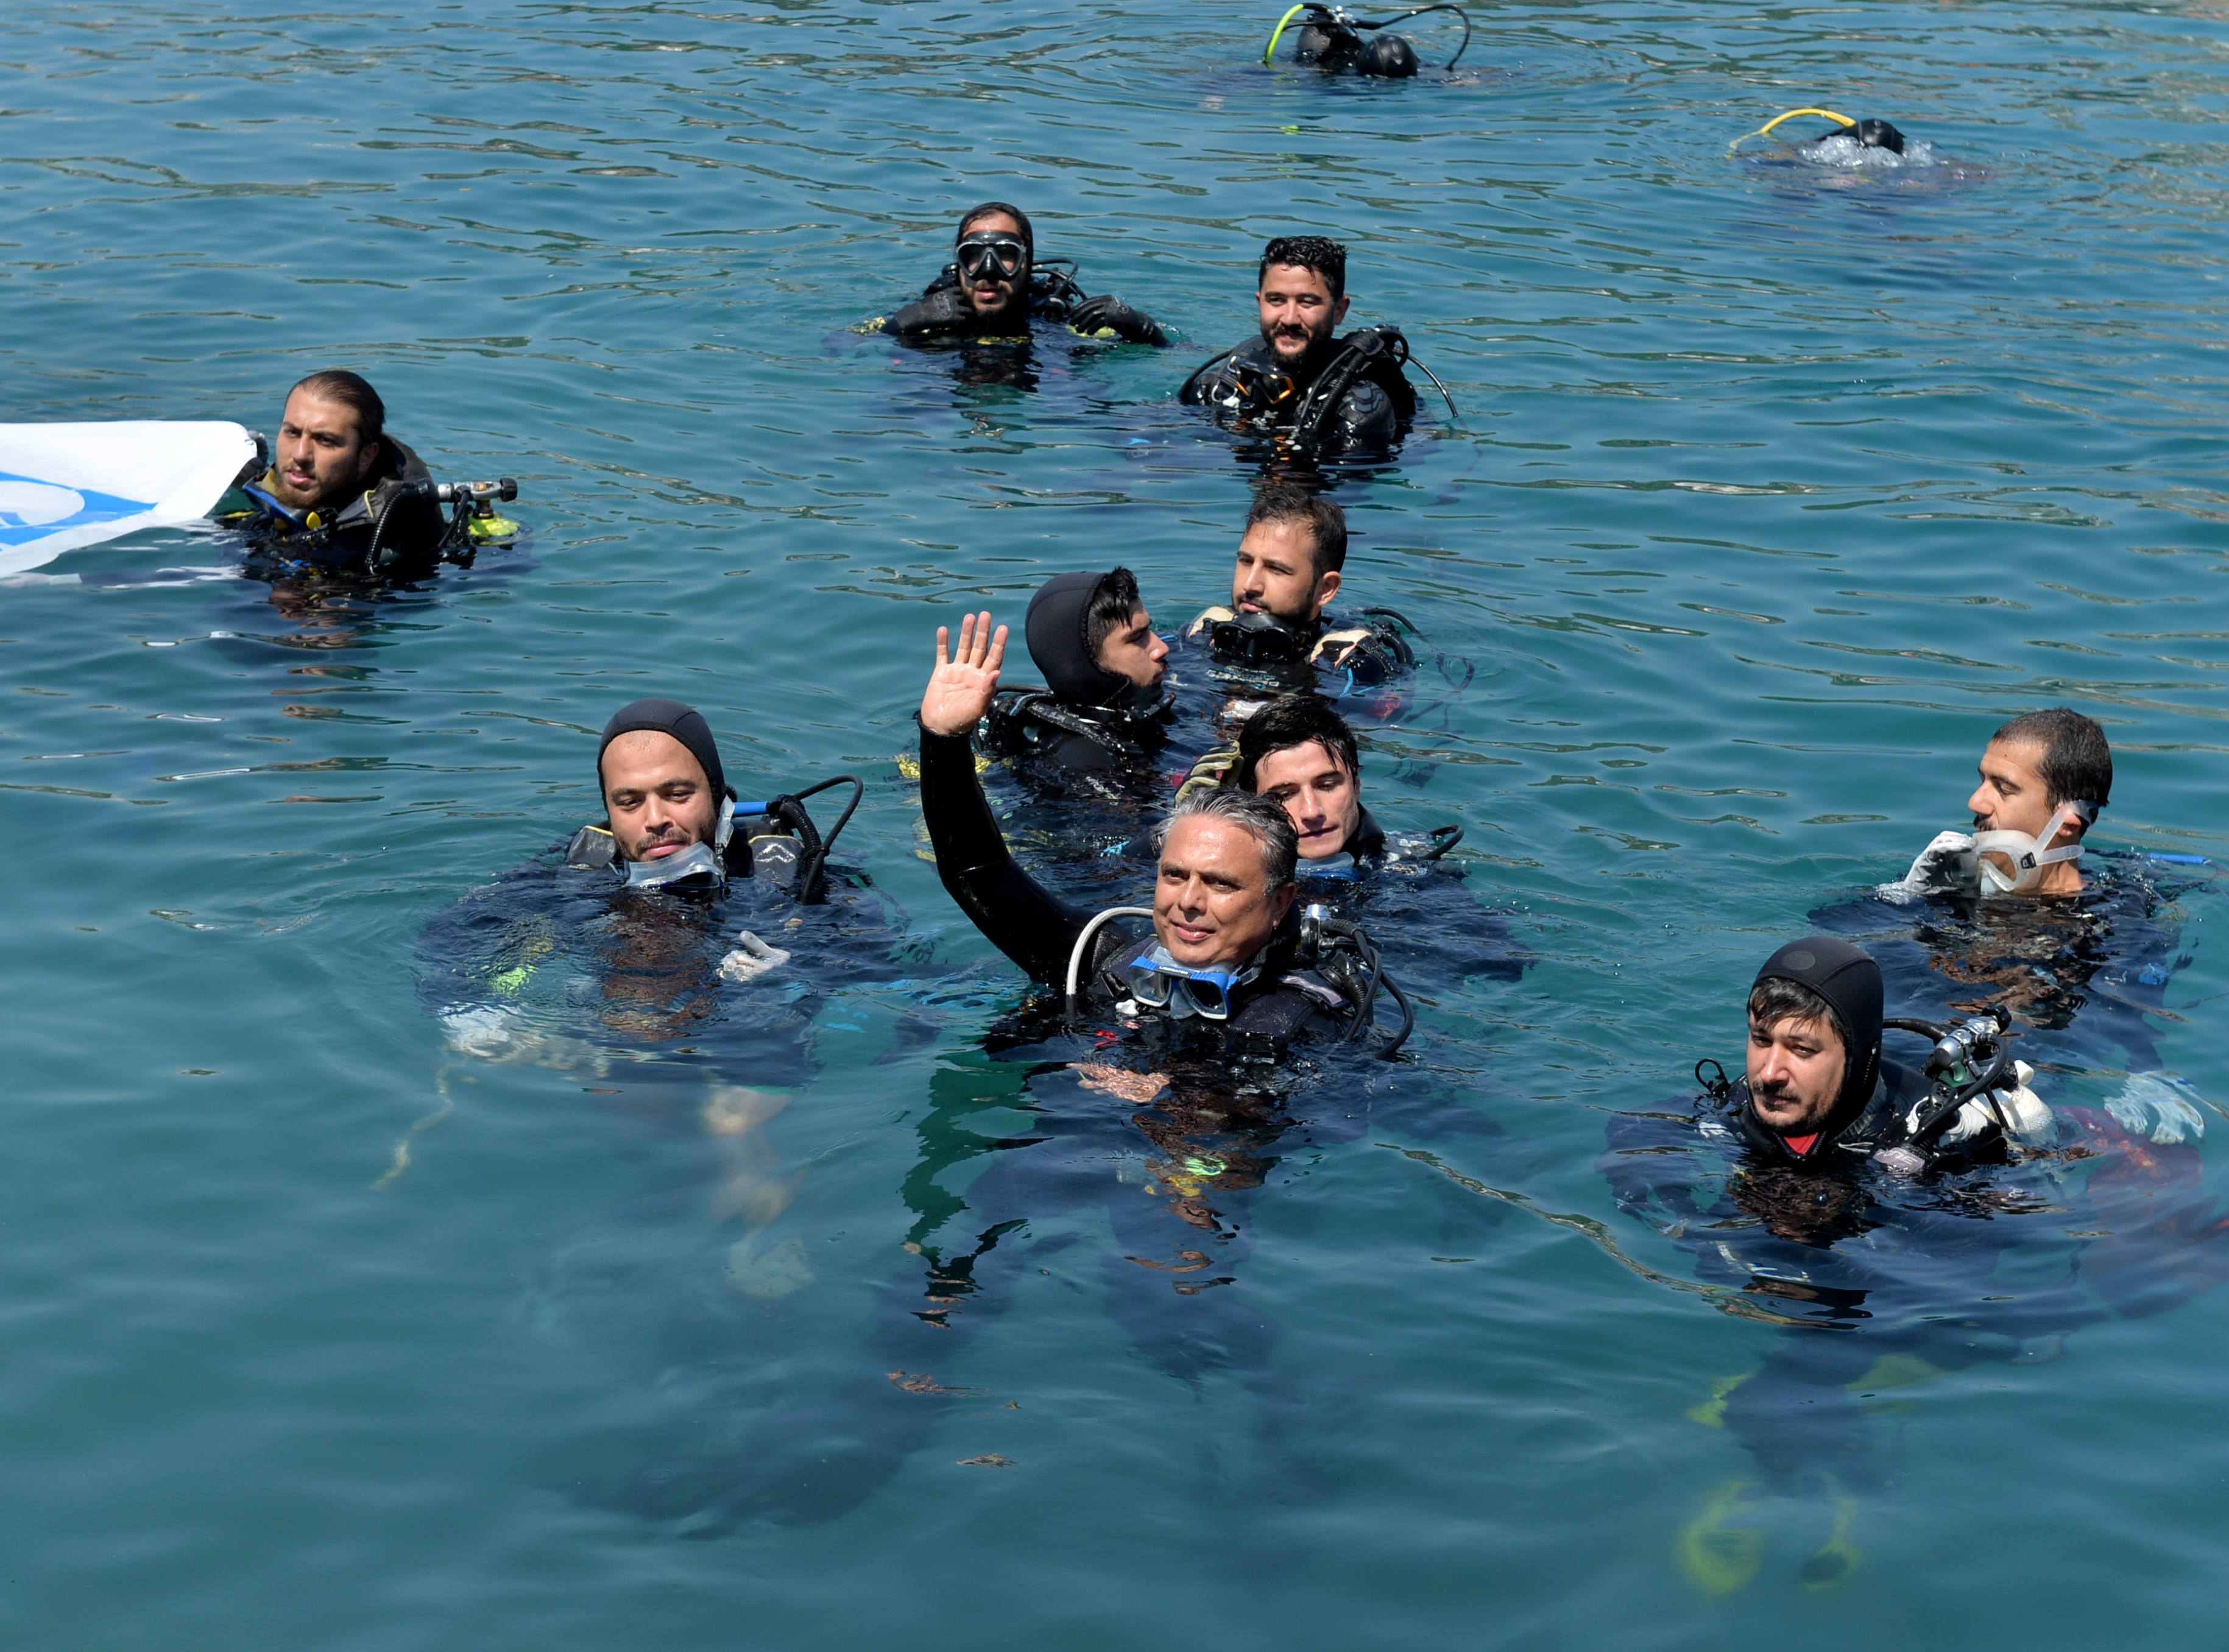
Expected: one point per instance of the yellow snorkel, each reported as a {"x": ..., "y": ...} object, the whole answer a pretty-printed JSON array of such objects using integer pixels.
[
  {"x": 1280, "y": 28},
  {"x": 1762, "y": 131}
]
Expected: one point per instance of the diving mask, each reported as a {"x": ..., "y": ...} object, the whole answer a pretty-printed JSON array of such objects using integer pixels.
[
  {"x": 2012, "y": 863},
  {"x": 977, "y": 252},
  {"x": 1159, "y": 981},
  {"x": 1256, "y": 639},
  {"x": 700, "y": 867}
]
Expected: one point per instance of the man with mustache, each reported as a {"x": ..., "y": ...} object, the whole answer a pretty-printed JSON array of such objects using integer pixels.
[
  {"x": 993, "y": 288},
  {"x": 1290, "y": 565},
  {"x": 1320, "y": 394},
  {"x": 334, "y": 497}
]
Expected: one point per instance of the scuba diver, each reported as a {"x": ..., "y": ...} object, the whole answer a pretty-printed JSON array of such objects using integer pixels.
[
  {"x": 617, "y": 962},
  {"x": 682, "y": 857},
  {"x": 1224, "y": 954},
  {"x": 1861, "y": 134},
  {"x": 1899, "y": 1224},
  {"x": 341, "y": 495},
  {"x": 995, "y": 288},
  {"x": 1316, "y": 396},
  {"x": 672, "y": 822},
  {"x": 1816, "y": 1089},
  {"x": 1102, "y": 712},
  {"x": 1301, "y": 755},
  {"x": 1333, "y": 39},
  {"x": 2007, "y": 915},
  {"x": 1288, "y": 569}
]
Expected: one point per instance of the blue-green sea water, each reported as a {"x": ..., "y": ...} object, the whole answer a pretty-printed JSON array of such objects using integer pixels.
[{"x": 1777, "y": 486}]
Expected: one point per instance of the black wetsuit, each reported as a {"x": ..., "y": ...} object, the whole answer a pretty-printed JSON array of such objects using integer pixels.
[
  {"x": 943, "y": 311},
  {"x": 1049, "y": 736},
  {"x": 1250, "y": 389},
  {"x": 389, "y": 530}
]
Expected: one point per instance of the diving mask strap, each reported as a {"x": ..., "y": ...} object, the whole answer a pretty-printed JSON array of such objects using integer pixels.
[{"x": 2028, "y": 854}]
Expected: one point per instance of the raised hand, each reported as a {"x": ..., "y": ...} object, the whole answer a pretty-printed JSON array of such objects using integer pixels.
[{"x": 960, "y": 688}]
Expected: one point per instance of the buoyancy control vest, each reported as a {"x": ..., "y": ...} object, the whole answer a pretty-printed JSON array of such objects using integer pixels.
[
  {"x": 1369, "y": 648},
  {"x": 774, "y": 842},
  {"x": 393, "y": 529},
  {"x": 1349, "y": 394},
  {"x": 1034, "y": 721}
]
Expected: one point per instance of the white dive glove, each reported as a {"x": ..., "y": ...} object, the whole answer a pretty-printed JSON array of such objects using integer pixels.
[
  {"x": 2159, "y": 1106},
  {"x": 1946, "y": 864}
]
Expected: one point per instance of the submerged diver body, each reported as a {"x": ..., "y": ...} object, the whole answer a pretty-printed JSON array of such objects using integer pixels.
[
  {"x": 675, "y": 957},
  {"x": 1313, "y": 395},
  {"x": 1900, "y": 1224},
  {"x": 342, "y": 496},
  {"x": 995, "y": 288}
]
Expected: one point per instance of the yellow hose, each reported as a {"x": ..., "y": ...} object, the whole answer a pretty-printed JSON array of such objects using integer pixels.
[
  {"x": 1760, "y": 130},
  {"x": 1280, "y": 28}
]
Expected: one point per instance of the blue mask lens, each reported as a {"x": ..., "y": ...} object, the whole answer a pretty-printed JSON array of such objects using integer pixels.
[{"x": 1161, "y": 981}]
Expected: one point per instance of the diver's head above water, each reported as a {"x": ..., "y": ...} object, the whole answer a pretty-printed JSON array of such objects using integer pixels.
[
  {"x": 2045, "y": 775},
  {"x": 1301, "y": 293},
  {"x": 660, "y": 772},
  {"x": 1090, "y": 635},
  {"x": 1300, "y": 754},
  {"x": 1290, "y": 559},
  {"x": 1225, "y": 879},
  {"x": 994, "y": 252},
  {"x": 1815, "y": 1037},
  {"x": 330, "y": 441}
]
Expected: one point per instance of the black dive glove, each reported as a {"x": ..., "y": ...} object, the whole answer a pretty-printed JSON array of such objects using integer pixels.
[
  {"x": 934, "y": 311},
  {"x": 1111, "y": 313}
]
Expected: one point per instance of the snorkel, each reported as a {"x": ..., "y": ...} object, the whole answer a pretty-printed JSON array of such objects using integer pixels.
[
  {"x": 2012, "y": 863},
  {"x": 1865, "y": 134}
]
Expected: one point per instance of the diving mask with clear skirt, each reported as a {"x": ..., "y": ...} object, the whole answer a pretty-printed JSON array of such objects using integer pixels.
[
  {"x": 1159, "y": 981},
  {"x": 702, "y": 868},
  {"x": 2012, "y": 863}
]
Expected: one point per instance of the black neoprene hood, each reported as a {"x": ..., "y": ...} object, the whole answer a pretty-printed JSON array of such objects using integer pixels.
[
  {"x": 684, "y": 722},
  {"x": 1848, "y": 978},
  {"x": 1055, "y": 631}
]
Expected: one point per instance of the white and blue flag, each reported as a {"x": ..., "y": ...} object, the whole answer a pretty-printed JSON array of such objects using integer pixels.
[{"x": 65, "y": 486}]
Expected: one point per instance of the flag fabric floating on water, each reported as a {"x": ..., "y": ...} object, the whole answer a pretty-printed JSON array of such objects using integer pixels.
[{"x": 66, "y": 486}]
